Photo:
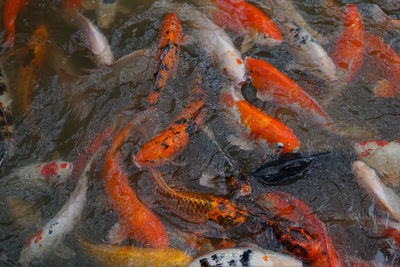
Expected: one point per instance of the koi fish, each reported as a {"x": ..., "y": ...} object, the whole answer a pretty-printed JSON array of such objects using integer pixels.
[
  {"x": 260, "y": 125},
  {"x": 368, "y": 179},
  {"x": 299, "y": 230},
  {"x": 170, "y": 40},
  {"x": 53, "y": 172},
  {"x": 72, "y": 3},
  {"x": 53, "y": 233},
  {"x": 213, "y": 40},
  {"x": 94, "y": 38},
  {"x": 273, "y": 84},
  {"x": 28, "y": 73},
  {"x": 199, "y": 207},
  {"x": 167, "y": 144},
  {"x": 310, "y": 56},
  {"x": 249, "y": 257},
  {"x": 245, "y": 19},
  {"x": 106, "y": 12},
  {"x": 11, "y": 10},
  {"x": 136, "y": 220},
  {"x": 387, "y": 62},
  {"x": 390, "y": 229},
  {"x": 6, "y": 120},
  {"x": 109, "y": 255},
  {"x": 24, "y": 214}
]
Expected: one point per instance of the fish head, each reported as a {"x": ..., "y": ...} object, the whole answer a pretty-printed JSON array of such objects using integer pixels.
[
  {"x": 366, "y": 148},
  {"x": 233, "y": 67},
  {"x": 287, "y": 145},
  {"x": 265, "y": 39},
  {"x": 326, "y": 70},
  {"x": 56, "y": 172}
]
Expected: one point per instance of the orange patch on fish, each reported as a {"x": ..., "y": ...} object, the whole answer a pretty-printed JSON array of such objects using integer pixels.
[{"x": 11, "y": 11}]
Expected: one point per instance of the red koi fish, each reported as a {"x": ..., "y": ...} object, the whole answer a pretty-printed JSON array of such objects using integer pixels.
[
  {"x": 348, "y": 52},
  {"x": 171, "y": 141},
  {"x": 170, "y": 40},
  {"x": 11, "y": 10},
  {"x": 273, "y": 84},
  {"x": 136, "y": 220},
  {"x": 72, "y": 3},
  {"x": 310, "y": 233},
  {"x": 388, "y": 63},
  {"x": 260, "y": 125}
]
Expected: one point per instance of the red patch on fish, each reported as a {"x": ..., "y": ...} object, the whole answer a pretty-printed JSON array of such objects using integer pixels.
[
  {"x": 48, "y": 170},
  {"x": 64, "y": 165},
  {"x": 35, "y": 238}
]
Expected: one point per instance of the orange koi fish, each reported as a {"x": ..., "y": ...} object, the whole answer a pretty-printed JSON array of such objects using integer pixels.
[
  {"x": 299, "y": 230},
  {"x": 170, "y": 40},
  {"x": 11, "y": 10},
  {"x": 171, "y": 141},
  {"x": 244, "y": 18},
  {"x": 72, "y": 3},
  {"x": 273, "y": 84},
  {"x": 28, "y": 73},
  {"x": 259, "y": 124},
  {"x": 136, "y": 220},
  {"x": 348, "y": 52},
  {"x": 388, "y": 64},
  {"x": 109, "y": 255},
  {"x": 199, "y": 207}
]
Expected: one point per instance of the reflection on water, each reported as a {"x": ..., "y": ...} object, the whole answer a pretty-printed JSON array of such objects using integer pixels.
[{"x": 70, "y": 105}]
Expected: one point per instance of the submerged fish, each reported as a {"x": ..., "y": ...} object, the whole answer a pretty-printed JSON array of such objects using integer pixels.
[
  {"x": 170, "y": 39},
  {"x": 105, "y": 12},
  {"x": 273, "y": 85},
  {"x": 213, "y": 40},
  {"x": 170, "y": 142},
  {"x": 11, "y": 10},
  {"x": 28, "y": 73},
  {"x": 374, "y": 17},
  {"x": 6, "y": 119},
  {"x": 136, "y": 220},
  {"x": 129, "y": 256},
  {"x": 244, "y": 18},
  {"x": 199, "y": 207},
  {"x": 245, "y": 257},
  {"x": 72, "y": 3},
  {"x": 24, "y": 214},
  {"x": 50, "y": 236},
  {"x": 94, "y": 38},
  {"x": 259, "y": 125}
]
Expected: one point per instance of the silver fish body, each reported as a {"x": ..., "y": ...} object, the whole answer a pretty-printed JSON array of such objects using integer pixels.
[{"x": 250, "y": 257}]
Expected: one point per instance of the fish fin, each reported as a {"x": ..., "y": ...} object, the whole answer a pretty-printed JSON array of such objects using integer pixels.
[
  {"x": 206, "y": 180},
  {"x": 117, "y": 234},
  {"x": 264, "y": 96},
  {"x": 247, "y": 44},
  {"x": 242, "y": 142},
  {"x": 384, "y": 88},
  {"x": 64, "y": 252},
  {"x": 179, "y": 163}
]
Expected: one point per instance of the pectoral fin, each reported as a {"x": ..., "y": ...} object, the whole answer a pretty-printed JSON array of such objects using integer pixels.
[{"x": 117, "y": 234}]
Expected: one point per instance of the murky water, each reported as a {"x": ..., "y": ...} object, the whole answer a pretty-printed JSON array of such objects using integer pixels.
[{"x": 67, "y": 112}]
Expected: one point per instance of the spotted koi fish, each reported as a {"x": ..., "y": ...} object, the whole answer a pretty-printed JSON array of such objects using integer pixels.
[
  {"x": 170, "y": 40},
  {"x": 28, "y": 73},
  {"x": 259, "y": 125},
  {"x": 244, "y": 18},
  {"x": 273, "y": 85},
  {"x": 199, "y": 207},
  {"x": 6, "y": 120},
  {"x": 170, "y": 142},
  {"x": 11, "y": 11},
  {"x": 109, "y": 255},
  {"x": 136, "y": 220},
  {"x": 246, "y": 257}
]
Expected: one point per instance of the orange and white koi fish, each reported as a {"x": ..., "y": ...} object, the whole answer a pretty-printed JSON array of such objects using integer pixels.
[
  {"x": 387, "y": 62},
  {"x": 259, "y": 125},
  {"x": 136, "y": 220},
  {"x": 170, "y": 40},
  {"x": 244, "y": 18},
  {"x": 170, "y": 142},
  {"x": 273, "y": 85},
  {"x": 28, "y": 73},
  {"x": 213, "y": 40},
  {"x": 130, "y": 256},
  {"x": 199, "y": 207},
  {"x": 299, "y": 230},
  {"x": 11, "y": 10},
  {"x": 72, "y": 3}
]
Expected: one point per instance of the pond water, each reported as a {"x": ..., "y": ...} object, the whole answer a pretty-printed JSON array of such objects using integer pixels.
[{"x": 68, "y": 111}]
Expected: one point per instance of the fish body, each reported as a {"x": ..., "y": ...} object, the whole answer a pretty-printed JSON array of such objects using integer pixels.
[
  {"x": 105, "y": 12},
  {"x": 310, "y": 55},
  {"x": 94, "y": 38},
  {"x": 6, "y": 119},
  {"x": 136, "y": 220},
  {"x": 11, "y": 10},
  {"x": 259, "y": 125},
  {"x": 129, "y": 256},
  {"x": 246, "y": 257},
  {"x": 171, "y": 37},
  {"x": 72, "y": 3},
  {"x": 199, "y": 207},
  {"x": 28, "y": 73},
  {"x": 273, "y": 84},
  {"x": 50, "y": 236},
  {"x": 168, "y": 143},
  {"x": 24, "y": 214},
  {"x": 213, "y": 40}
]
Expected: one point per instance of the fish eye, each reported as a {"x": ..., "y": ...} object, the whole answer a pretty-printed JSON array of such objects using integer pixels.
[{"x": 279, "y": 145}]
